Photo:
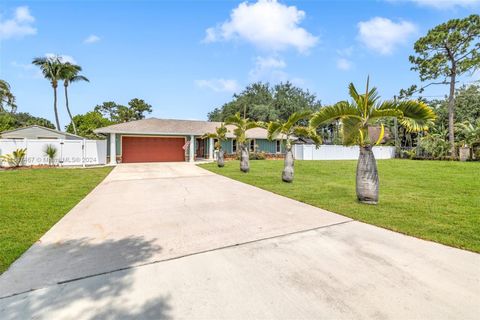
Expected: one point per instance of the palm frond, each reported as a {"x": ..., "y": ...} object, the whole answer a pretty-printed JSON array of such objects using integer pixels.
[
  {"x": 295, "y": 117},
  {"x": 235, "y": 120},
  {"x": 350, "y": 130},
  {"x": 274, "y": 129},
  {"x": 385, "y": 110},
  {"x": 353, "y": 92},
  {"x": 78, "y": 78},
  {"x": 417, "y": 116},
  {"x": 340, "y": 110},
  {"x": 381, "y": 135},
  {"x": 254, "y": 124},
  {"x": 307, "y": 132}
]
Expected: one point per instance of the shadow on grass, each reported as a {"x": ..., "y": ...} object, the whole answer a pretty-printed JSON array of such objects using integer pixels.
[{"x": 70, "y": 277}]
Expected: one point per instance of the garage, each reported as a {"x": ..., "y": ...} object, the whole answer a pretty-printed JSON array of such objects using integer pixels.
[{"x": 152, "y": 149}]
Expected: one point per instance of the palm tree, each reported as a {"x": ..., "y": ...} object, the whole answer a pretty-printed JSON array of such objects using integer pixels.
[
  {"x": 70, "y": 74},
  {"x": 51, "y": 68},
  {"x": 286, "y": 131},
  {"x": 220, "y": 135},
  {"x": 241, "y": 126},
  {"x": 357, "y": 116},
  {"x": 6, "y": 97}
]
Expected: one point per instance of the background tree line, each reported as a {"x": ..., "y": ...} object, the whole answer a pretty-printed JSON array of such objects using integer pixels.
[
  {"x": 262, "y": 102},
  {"x": 109, "y": 113}
]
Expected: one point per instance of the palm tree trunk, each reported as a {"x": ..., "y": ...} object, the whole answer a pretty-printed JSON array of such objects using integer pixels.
[
  {"x": 220, "y": 158},
  {"x": 55, "y": 107},
  {"x": 68, "y": 110},
  {"x": 367, "y": 176},
  {"x": 451, "y": 116},
  {"x": 287, "y": 174},
  {"x": 244, "y": 158}
]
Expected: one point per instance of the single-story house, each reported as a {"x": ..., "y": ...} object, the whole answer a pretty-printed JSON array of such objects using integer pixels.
[
  {"x": 38, "y": 132},
  {"x": 156, "y": 140}
]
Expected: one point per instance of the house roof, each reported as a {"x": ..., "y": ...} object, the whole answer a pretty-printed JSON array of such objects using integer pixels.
[
  {"x": 156, "y": 126},
  {"x": 42, "y": 128}
]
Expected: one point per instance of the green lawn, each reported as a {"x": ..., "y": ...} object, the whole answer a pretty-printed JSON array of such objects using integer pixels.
[
  {"x": 33, "y": 200},
  {"x": 434, "y": 200}
]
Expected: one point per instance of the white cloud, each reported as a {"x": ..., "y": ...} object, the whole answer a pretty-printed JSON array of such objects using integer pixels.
[
  {"x": 383, "y": 35},
  {"x": 272, "y": 69},
  {"x": 266, "y": 24},
  {"x": 270, "y": 62},
  {"x": 63, "y": 58},
  {"x": 19, "y": 25},
  {"x": 219, "y": 85},
  {"x": 344, "y": 64},
  {"x": 268, "y": 69},
  {"x": 442, "y": 4},
  {"x": 91, "y": 39}
]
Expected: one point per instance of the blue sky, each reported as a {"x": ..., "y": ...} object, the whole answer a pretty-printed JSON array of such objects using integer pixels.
[{"x": 187, "y": 57}]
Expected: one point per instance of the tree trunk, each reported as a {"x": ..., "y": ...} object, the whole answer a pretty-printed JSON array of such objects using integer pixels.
[
  {"x": 287, "y": 174},
  {"x": 451, "y": 115},
  {"x": 367, "y": 176},
  {"x": 244, "y": 158},
  {"x": 220, "y": 159},
  {"x": 68, "y": 109},
  {"x": 55, "y": 107}
]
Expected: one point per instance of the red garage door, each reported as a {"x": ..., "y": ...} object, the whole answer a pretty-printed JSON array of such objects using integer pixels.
[{"x": 152, "y": 149}]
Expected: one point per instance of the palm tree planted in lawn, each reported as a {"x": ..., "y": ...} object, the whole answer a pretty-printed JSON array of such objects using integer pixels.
[
  {"x": 357, "y": 116},
  {"x": 286, "y": 131},
  {"x": 219, "y": 135},
  {"x": 241, "y": 125},
  {"x": 52, "y": 68},
  {"x": 69, "y": 74}
]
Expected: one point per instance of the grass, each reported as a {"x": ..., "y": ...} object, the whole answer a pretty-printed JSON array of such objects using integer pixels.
[
  {"x": 33, "y": 200},
  {"x": 433, "y": 200}
]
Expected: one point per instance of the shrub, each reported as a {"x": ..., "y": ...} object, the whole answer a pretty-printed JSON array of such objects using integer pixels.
[
  {"x": 50, "y": 151},
  {"x": 15, "y": 159},
  {"x": 258, "y": 156}
]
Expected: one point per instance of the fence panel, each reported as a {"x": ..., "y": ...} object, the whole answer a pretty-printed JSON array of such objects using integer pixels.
[
  {"x": 69, "y": 152},
  {"x": 336, "y": 152},
  {"x": 95, "y": 151}
]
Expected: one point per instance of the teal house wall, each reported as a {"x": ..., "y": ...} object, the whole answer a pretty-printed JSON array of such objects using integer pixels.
[{"x": 261, "y": 145}]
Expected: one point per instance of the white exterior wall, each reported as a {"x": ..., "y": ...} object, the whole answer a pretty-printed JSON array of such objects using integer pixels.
[
  {"x": 69, "y": 152},
  {"x": 335, "y": 152}
]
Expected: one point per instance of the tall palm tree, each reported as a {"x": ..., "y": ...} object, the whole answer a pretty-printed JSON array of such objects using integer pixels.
[
  {"x": 51, "y": 68},
  {"x": 357, "y": 116},
  {"x": 6, "y": 97},
  {"x": 241, "y": 125},
  {"x": 220, "y": 135},
  {"x": 286, "y": 131},
  {"x": 69, "y": 75}
]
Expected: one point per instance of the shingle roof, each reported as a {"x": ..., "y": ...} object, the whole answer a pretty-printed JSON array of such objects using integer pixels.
[
  {"x": 175, "y": 127},
  {"x": 43, "y": 128}
]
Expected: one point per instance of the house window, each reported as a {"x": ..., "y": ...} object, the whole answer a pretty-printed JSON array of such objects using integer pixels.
[
  {"x": 234, "y": 146},
  {"x": 278, "y": 146},
  {"x": 252, "y": 145}
]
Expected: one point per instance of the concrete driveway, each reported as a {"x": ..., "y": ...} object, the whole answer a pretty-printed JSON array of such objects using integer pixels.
[{"x": 172, "y": 240}]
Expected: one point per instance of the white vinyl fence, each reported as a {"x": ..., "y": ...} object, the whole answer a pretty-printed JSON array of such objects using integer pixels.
[
  {"x": 335, "y": 152},
  {"x": 69, "y": 152}
]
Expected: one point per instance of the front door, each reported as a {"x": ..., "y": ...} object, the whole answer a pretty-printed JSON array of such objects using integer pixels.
[{"x": 200, "y": 150}]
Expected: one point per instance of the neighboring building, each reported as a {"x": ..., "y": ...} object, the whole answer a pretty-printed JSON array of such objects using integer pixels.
[
  {"x": 38, "y": 132},
  {"x": 156, "y": 140}
]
